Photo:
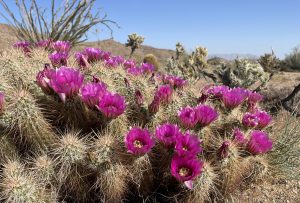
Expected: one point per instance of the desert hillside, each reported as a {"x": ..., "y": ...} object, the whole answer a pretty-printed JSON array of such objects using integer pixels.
[{"x": 116, "y": 48}]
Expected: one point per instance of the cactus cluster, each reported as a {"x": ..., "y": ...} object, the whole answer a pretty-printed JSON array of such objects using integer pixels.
[
  {"x": 189, "y": 66},
  {"x": 242, "y": 73},
  {"x": 104, "y": 129},
  {"x": 270, "y": 62}
]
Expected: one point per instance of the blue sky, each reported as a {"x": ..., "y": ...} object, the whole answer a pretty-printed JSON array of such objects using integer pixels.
[{"x": 223, "y": 26}]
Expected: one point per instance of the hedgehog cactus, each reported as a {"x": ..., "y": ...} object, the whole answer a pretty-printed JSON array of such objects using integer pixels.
[{"x": 128, "y": 134}]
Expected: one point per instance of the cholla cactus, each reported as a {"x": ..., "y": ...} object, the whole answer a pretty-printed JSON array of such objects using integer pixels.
[
  {"x": 179, "y": 50},
  {"x": 198, "y": 57},
  {"x": 130, "y": 133},
  {"x": 134, "y": 41},
  {"x": 269, "y": 62},
  {"x": 188, "y": 66},
  {"x": 242, "y": 73}
]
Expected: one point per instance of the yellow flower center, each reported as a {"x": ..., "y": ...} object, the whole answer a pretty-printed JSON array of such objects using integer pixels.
[
  {"x": 185, "y": 148},
  {"x": 138, "y": 144},
  {"x": 184, "y": 171}
]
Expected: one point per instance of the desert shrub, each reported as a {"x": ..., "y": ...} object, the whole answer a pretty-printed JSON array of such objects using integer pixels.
[
  {"x": 69, "y": 22},
  {"x": 151, "y": 59},
  {"x": 292, "y": 60},
  {"x": 109, "y": 130}
]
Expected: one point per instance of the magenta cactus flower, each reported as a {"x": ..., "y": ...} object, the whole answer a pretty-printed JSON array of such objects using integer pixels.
[
  {"x": 138, "y": 98},
  {"x": 205, "y": 115},
  {"x": 164, "y": 92},
  {"x": 112, "y": 105},
  {"x": 66, "y": 82},
  {"x": 43, "y": 79},
  {"x": 223, "y": 151},
  {"x": 58, "y": 59},
  {"x": 253, "y": 99},
  {"x": 167, "y": 134},
  {"x": 62, "y": 46},
  {"x": 104, "y": 55},
  {"x": 188, "y": 145},
  {"x": 81, "y": 59},
  {"x": 111, "y": 63},
  {"x": 185, "y": 169},
  {"x": 91, "y": 93},
  {"x": 188, "y": 117},
  {"x": 44, "y": 43},
  {"x": 217, "y": 91},
  {"x": 205, "y": 94},
  {"x": 129, "y": 64},
  {"x": 232, "y": 98},
  {"x": 147, "y": 68},
  {"x": 2, "y": 100},
  {"x": 92, "y": 54},
  {"x": 250, "y": 120},
  {"x": 134, "y": 71},
  {"x": 174, "y": 81},
  {"x": 25, "y": 46},
  {"x": 264, "y": 119},
  {"x": 138, "y": 141},
  {"x": 118, "y": 59},
  {"x": 259, "y": 142},
  {"x": 154, "y": 106},
  {"x": 239, "y": 137}
]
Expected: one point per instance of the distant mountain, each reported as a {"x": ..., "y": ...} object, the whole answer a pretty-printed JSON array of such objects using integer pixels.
[{"x": 233, "y": 56}]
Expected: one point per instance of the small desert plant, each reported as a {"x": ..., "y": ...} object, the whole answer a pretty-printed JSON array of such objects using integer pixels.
[
  {"x": 69, "y": 22},
  {"x": 292, "y": 60},
  {"x": 134, "y": 41}
]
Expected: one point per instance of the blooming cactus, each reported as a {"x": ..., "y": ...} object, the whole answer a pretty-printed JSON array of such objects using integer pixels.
[
  {"x": 139, "y": 141},
  {"x": 167, "y": 134},
  {"x": 43, "y": 79},
  {"x": 91, "y": 93},
  {"x": 264, "y": 119},
  {"x": 112, "y": 105},
  {"x": 188, "y": 145},
  {"x": 66, "y": 82},
  {"x": 62, "y": 46},
  {"x": 250, "y": 120},
  {"x": 164, "y": 92},
  {"x": 205, "y": 115},
  {"x": 239, "y": 137},
  {"x": 25, "y": 46},
  {"x": 259, "y": 143},
  {"x": 188, "y": 117},
  {"x": 234, "y": 97},
  {"x": 185, "y": 169},
  {"x": 58, "y": 59}
]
